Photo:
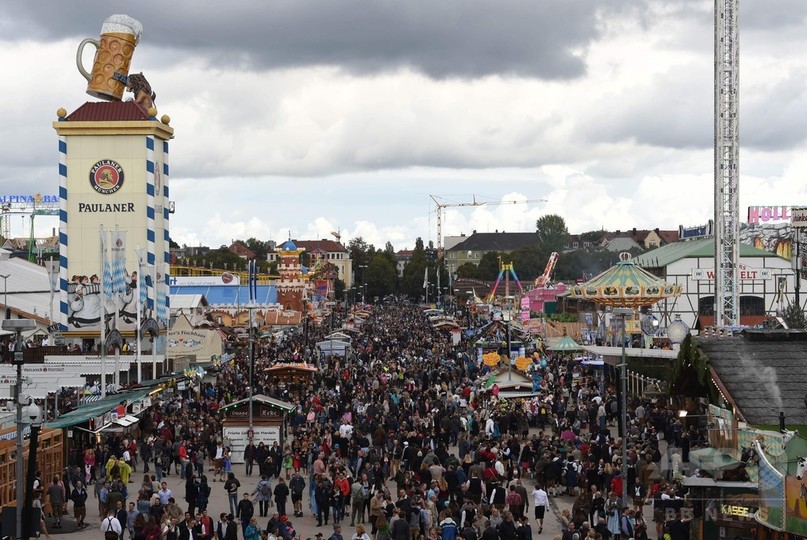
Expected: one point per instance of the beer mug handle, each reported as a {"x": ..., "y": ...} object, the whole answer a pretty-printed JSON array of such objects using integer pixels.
[{"x": 80, "y": 66}]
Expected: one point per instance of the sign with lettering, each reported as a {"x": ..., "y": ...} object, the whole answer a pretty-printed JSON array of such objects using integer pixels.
[
  {"x": 205, "y": 281},
  {"x": 798, "y": 217},
  {"x": 700, "y": 231},
  {"x": 764, "y": 214},
  {"x": 238, "y": 437},
  {"x": 29, "y": 199},
  {"x": 746, "y": 273}
]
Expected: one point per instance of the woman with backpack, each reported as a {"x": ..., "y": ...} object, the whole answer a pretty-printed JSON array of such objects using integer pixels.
[{"x": 263, "y": 494}]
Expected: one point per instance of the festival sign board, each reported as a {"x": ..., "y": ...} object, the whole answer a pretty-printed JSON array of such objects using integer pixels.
[
  {"x": 113, "y": 177},
  {"x": 765, "y": 214},
  {"x": 798, "y": 217}
]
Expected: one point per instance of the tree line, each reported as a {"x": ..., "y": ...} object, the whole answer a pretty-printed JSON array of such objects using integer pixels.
[{"x": 377, "y": 268}]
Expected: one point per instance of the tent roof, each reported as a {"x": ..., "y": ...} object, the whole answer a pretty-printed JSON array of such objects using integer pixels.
[
  {"x": 565, "y": 344},
  {"x": 96, "y": 408},
  {"x": 262, "y": 398},
  {"x": 705, "y": 247}
]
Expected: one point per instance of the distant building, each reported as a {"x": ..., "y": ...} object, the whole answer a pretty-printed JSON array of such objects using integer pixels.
[
  {"x": 185, "y": 253},
  {"x": 402, "y": 258},
  {"x": 473, "y": 247},
  {"x": 331, "y": 252},
  {"x": 238, "y": 248},
  {"x": 618, "y": 241}
]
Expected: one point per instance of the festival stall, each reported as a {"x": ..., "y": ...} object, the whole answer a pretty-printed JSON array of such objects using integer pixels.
[{"x": 269, "y": 421}]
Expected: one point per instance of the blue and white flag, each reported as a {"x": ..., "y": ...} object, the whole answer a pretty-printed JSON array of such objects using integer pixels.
[
  {"x": 118, "y": 264},
  {"x": 106, "y": 267}
]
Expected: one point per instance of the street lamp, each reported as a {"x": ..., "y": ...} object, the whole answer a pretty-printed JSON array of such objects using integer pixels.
[
  {"x": 251, "y": 360},
  {"x": 19, "y": 326},
  {"x": 622, "y": 313},
  {"x": 363, "y": 281},
  {"x": 5, "y": 293}
]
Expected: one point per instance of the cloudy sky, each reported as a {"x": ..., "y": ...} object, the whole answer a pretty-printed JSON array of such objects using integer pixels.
[{"x": 321, "y": 115}]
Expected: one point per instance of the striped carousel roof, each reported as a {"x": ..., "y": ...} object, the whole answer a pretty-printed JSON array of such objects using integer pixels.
[{"x": 625, "y": 285}]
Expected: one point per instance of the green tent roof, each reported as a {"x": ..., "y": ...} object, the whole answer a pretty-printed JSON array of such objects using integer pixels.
[
  {"x": 96, "y": 408},
  {"x": 565, "y": 344},
  {"x": 691, "y": 249}
]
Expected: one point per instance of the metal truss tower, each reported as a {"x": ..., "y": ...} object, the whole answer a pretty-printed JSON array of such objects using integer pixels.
[{"x": 727, "y": 163}]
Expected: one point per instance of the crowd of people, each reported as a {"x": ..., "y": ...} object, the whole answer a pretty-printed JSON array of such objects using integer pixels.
[{"x": 402, "y": 439}]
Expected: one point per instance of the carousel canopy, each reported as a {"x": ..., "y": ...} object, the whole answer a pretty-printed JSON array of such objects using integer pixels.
[
  {"x": 625, "y": 285},
  {"x": 565, "y": 344}
]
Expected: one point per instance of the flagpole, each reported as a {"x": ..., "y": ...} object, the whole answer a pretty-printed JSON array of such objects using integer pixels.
[
  {"x": 138, "y": 337},
  {"x": 426, "y": 282},
  {"x": 103, "y": 312},
  {"x": 115, "y": 288}
]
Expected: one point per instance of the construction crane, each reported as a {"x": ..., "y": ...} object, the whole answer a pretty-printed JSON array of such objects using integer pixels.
[
  {"x": 727, "y": 163},
  {"x": 440, "y": 206}
]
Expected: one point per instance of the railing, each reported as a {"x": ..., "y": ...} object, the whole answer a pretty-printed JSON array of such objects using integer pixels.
[
  {"x": 36, "y": 355},
  {"x": 638, "y": 384}
]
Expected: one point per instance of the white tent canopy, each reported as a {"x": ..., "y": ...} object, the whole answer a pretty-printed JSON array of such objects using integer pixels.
[{"x": 333, "y": 347}]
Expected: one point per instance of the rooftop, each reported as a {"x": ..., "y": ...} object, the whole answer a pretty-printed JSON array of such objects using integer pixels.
[
  {"x": 764, "y": 371},
  {"x": 497, "y": 241},
  {"x": 705, "y": 247}
]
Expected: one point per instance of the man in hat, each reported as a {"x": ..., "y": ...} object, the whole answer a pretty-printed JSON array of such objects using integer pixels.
[{"x": 337, "y": 532}]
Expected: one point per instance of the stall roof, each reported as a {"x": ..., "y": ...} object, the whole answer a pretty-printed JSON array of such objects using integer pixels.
[
  {"x": 262, "y": 398},
  {"x": 96, "y": 408},
  {"x": 633, "y": 352},
  {"x": 698, "y": 481},
  {"x": 711, "y": 460}
]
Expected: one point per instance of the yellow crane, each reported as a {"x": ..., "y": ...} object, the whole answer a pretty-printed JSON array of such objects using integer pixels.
[{"x": 440, "y": 206}]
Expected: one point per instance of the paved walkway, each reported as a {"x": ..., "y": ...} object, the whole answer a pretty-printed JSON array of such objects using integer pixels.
[{"x": 306, "y": 526}]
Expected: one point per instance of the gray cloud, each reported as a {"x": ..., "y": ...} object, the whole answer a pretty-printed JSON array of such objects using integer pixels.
[{"x": 452, "y": 38}]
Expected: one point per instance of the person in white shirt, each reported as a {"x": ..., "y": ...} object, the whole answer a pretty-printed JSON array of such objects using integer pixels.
[
  {"x": 111, "y": 523},
  {"x": 489, "y": 426},
  {"x": 540, "y": 501},
  {"x": 345, "y": 430}
]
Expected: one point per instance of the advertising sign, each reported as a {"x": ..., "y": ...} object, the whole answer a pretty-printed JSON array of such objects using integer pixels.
[
  {"x": 115, "y": 197},
  {"x": 700, "y": 231},
  {"x": 799, "y": 217},
  {"x": 746, "y": 273},
  {"x": 765, "y": 214},
  {"x": 238, "y": 437},
  {"x": 771, "y": 493},
  {"x": 205, "y": 281}
]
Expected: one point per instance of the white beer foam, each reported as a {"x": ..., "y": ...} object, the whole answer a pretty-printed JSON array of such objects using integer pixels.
[{"x": 123, "y": 24}]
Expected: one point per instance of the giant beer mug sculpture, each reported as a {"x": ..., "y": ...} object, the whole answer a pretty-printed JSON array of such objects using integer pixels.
[{"x": 110, "y": 71}]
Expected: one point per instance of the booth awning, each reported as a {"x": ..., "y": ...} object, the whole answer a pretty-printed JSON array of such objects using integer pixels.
[
  {"x": 711, "y": 460},
  {"x": 126, "y": 421},
  {"x": 83, "y": 413}
]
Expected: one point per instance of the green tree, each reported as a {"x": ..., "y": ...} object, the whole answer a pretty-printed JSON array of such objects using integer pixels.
[
  {"x": 339, "y": 289},
  {"x": 529, "y": 262},
  {"x": 488, "y": 268},
  {"x": 794, "y": 317},
  {"x": 260, "y": 247},
  {"x": 467, "y": 270},
  {"x": 552, "y": 233},
  {"x": 382, "y": 278},
  {"x": 224, "y": 258},
  {"x": 360, "y": 251},
  {"x": 412, "y": 279}
]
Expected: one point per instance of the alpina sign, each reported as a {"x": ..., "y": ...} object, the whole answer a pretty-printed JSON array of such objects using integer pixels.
[{"x": 746, "y": 273}]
